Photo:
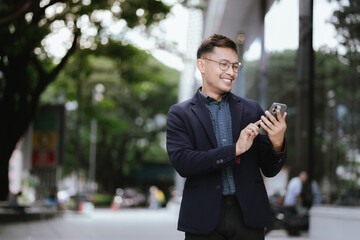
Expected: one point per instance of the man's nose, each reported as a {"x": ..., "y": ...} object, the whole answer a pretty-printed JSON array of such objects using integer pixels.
[{"x": 231, "y": 71}]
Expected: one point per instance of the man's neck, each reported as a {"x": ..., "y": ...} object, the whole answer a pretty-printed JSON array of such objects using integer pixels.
[{"x": 215, "y": 96}]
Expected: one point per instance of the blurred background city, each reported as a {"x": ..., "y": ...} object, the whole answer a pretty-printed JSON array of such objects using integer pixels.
[{"x": 85, "y": 86}]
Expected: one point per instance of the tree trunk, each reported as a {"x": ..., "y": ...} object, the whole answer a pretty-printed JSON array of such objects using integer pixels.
[
  {"x": 19, "y": 101},
  {"x": 304, "y": 92},
  {"x": 5, "y": 155},
  {"x": 17, "y": 111},
  {"x": 13, "y": 125}
]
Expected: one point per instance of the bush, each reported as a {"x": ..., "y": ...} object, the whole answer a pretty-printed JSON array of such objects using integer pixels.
[{"x": 101, "y": 200}]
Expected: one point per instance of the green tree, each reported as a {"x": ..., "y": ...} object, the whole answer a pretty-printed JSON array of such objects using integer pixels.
[
  {"x": 26, "y": 67},
  {"x": 346, "y": 21},
  {"x": 281, "y": 77},
  {"x": 131, "y": 118},
  {"x": 330, "y": 122}
]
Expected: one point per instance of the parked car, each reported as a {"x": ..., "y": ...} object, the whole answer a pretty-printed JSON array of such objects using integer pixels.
[{"x": 127, "y": 197}]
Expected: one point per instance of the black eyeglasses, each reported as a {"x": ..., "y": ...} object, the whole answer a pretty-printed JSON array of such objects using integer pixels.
[{"x": 225, "y": 64}]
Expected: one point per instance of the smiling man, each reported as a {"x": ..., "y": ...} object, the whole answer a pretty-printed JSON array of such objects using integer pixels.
[{"x": 213, "y": 141}]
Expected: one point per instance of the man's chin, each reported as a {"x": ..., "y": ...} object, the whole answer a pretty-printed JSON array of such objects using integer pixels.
[{"x": 227, "y": 88}]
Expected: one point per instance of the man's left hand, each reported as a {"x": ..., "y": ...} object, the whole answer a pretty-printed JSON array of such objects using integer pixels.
[{"x": 275, "y": 128}]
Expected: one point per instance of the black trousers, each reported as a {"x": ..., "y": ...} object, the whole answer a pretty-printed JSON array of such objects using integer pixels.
[{"x": 231, "y": 225}]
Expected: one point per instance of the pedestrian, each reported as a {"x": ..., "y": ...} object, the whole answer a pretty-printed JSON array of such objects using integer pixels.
[
  {"x": 153, "y": 198},
  {"x": 294, "y": 189},
  {"x": 213, "y": 141},
  {"x": 296, "y": 214},
  {"x": 316, "y": 193}
]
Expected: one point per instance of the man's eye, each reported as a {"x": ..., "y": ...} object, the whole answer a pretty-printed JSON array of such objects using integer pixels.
[
  {"x": 236, "y": 67},
  {"x": 224, "y": 64}
]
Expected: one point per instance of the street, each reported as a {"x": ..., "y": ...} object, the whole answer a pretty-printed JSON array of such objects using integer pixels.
[{"x": 126, "y": 224}]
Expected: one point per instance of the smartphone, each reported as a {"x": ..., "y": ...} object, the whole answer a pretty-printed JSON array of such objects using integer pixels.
[{"x": 275, "y": 106}]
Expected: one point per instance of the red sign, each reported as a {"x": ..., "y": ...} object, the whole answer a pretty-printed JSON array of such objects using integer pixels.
[{"x": 43, "y": 158}]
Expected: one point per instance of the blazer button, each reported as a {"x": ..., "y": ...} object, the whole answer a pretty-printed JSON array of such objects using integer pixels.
[
  {"x": 217, "y": 162},
  {"x": 221, "y": 161},
  {"x": 217, "y": 187}
]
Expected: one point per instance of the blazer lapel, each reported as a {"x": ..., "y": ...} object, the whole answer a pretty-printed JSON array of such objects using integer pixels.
[
  {"x": 236, "y": 110},
  {"x": 202, "y": 113}
]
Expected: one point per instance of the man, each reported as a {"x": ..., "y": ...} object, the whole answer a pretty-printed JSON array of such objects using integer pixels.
[
  {"x": 213, "y": 141},
  {"x": 293, "y": 192},
  {"x": 296, "y": 215}
]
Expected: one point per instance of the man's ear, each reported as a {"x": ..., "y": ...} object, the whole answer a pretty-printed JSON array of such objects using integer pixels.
[{"x": 200, "y": 65}]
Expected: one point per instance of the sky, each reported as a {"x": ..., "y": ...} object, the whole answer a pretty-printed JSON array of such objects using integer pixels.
[
  {"x": 281, "y": 32},
  {"x": 282, "y": 27}
]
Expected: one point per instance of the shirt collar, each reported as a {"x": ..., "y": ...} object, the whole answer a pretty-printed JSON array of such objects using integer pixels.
[{"x": 208, "y": 99}]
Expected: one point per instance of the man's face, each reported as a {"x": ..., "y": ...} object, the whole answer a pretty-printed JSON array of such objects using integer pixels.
[{"x": 216, "y": 82}]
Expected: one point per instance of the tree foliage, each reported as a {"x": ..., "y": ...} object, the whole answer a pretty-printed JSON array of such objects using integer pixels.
[
  {"x": 336, "y": 99},
  {"x": 332, "y": 109},
  {"x": 346, "y": 21},
  {"x": 131, "y": 117},
  {"x": 26, "y": 66}
]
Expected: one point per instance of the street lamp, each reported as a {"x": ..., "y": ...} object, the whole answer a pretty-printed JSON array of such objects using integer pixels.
[{"x": 97, "y": 96}]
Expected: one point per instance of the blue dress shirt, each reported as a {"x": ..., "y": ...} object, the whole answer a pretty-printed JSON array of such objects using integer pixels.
[{"x": 221, "y": 120}]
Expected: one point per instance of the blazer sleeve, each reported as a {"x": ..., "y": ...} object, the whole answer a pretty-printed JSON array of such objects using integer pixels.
[
  {"x": 181, "y": 141},
  {"x": 271, "y": 162}
]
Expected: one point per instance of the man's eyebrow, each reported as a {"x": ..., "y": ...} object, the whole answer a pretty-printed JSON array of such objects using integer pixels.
[{"x": 223, "y": 59}]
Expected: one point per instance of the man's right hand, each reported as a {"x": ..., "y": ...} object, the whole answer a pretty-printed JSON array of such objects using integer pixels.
[{"x": 246, "y": 137}]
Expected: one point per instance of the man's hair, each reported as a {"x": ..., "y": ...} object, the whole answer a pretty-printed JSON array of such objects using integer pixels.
[{"x": 215, "y": 40}]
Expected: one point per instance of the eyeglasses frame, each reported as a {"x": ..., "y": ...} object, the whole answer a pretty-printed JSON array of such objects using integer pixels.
[{"x": 228, "y": 64}]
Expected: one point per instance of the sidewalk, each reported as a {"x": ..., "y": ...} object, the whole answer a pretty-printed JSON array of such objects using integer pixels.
[
  {"x": 126, "y": 224},
  {"x": 36, "y": 212}
]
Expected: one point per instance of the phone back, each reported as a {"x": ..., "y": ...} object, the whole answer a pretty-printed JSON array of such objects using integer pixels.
[{"x": 275, "y": 106}]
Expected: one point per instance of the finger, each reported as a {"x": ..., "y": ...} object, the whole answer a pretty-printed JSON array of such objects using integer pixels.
[
  {"x": 266, "y": 121},
  {"x": 257, "y": 123},
  {"x": 250, "y": 132},
  {"x": 246, "y": 132},
  {"x": 254, "y": 131},
  {"x": 271, "y": 117},
  {"x": 265, "y": 127},
  {"x": 284, "y": 117},
  {"x": 257, "y": 126},
  {"x": 280, "y": 117},
  {"x": 252, "y": 135},
  {"x": 254, "y": 127}
]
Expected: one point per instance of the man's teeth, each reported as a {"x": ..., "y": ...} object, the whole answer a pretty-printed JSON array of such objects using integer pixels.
[{"x": 227, "y": 80}]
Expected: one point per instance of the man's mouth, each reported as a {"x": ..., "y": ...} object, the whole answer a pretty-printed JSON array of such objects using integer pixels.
[{"x": 227, "y": 80}]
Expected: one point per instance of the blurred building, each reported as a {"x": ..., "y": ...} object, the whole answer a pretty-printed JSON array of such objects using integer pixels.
[{"x": 34, "y": 165}]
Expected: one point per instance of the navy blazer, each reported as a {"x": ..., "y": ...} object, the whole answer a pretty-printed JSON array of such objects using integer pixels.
[{"x": 193, "y": 151}]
